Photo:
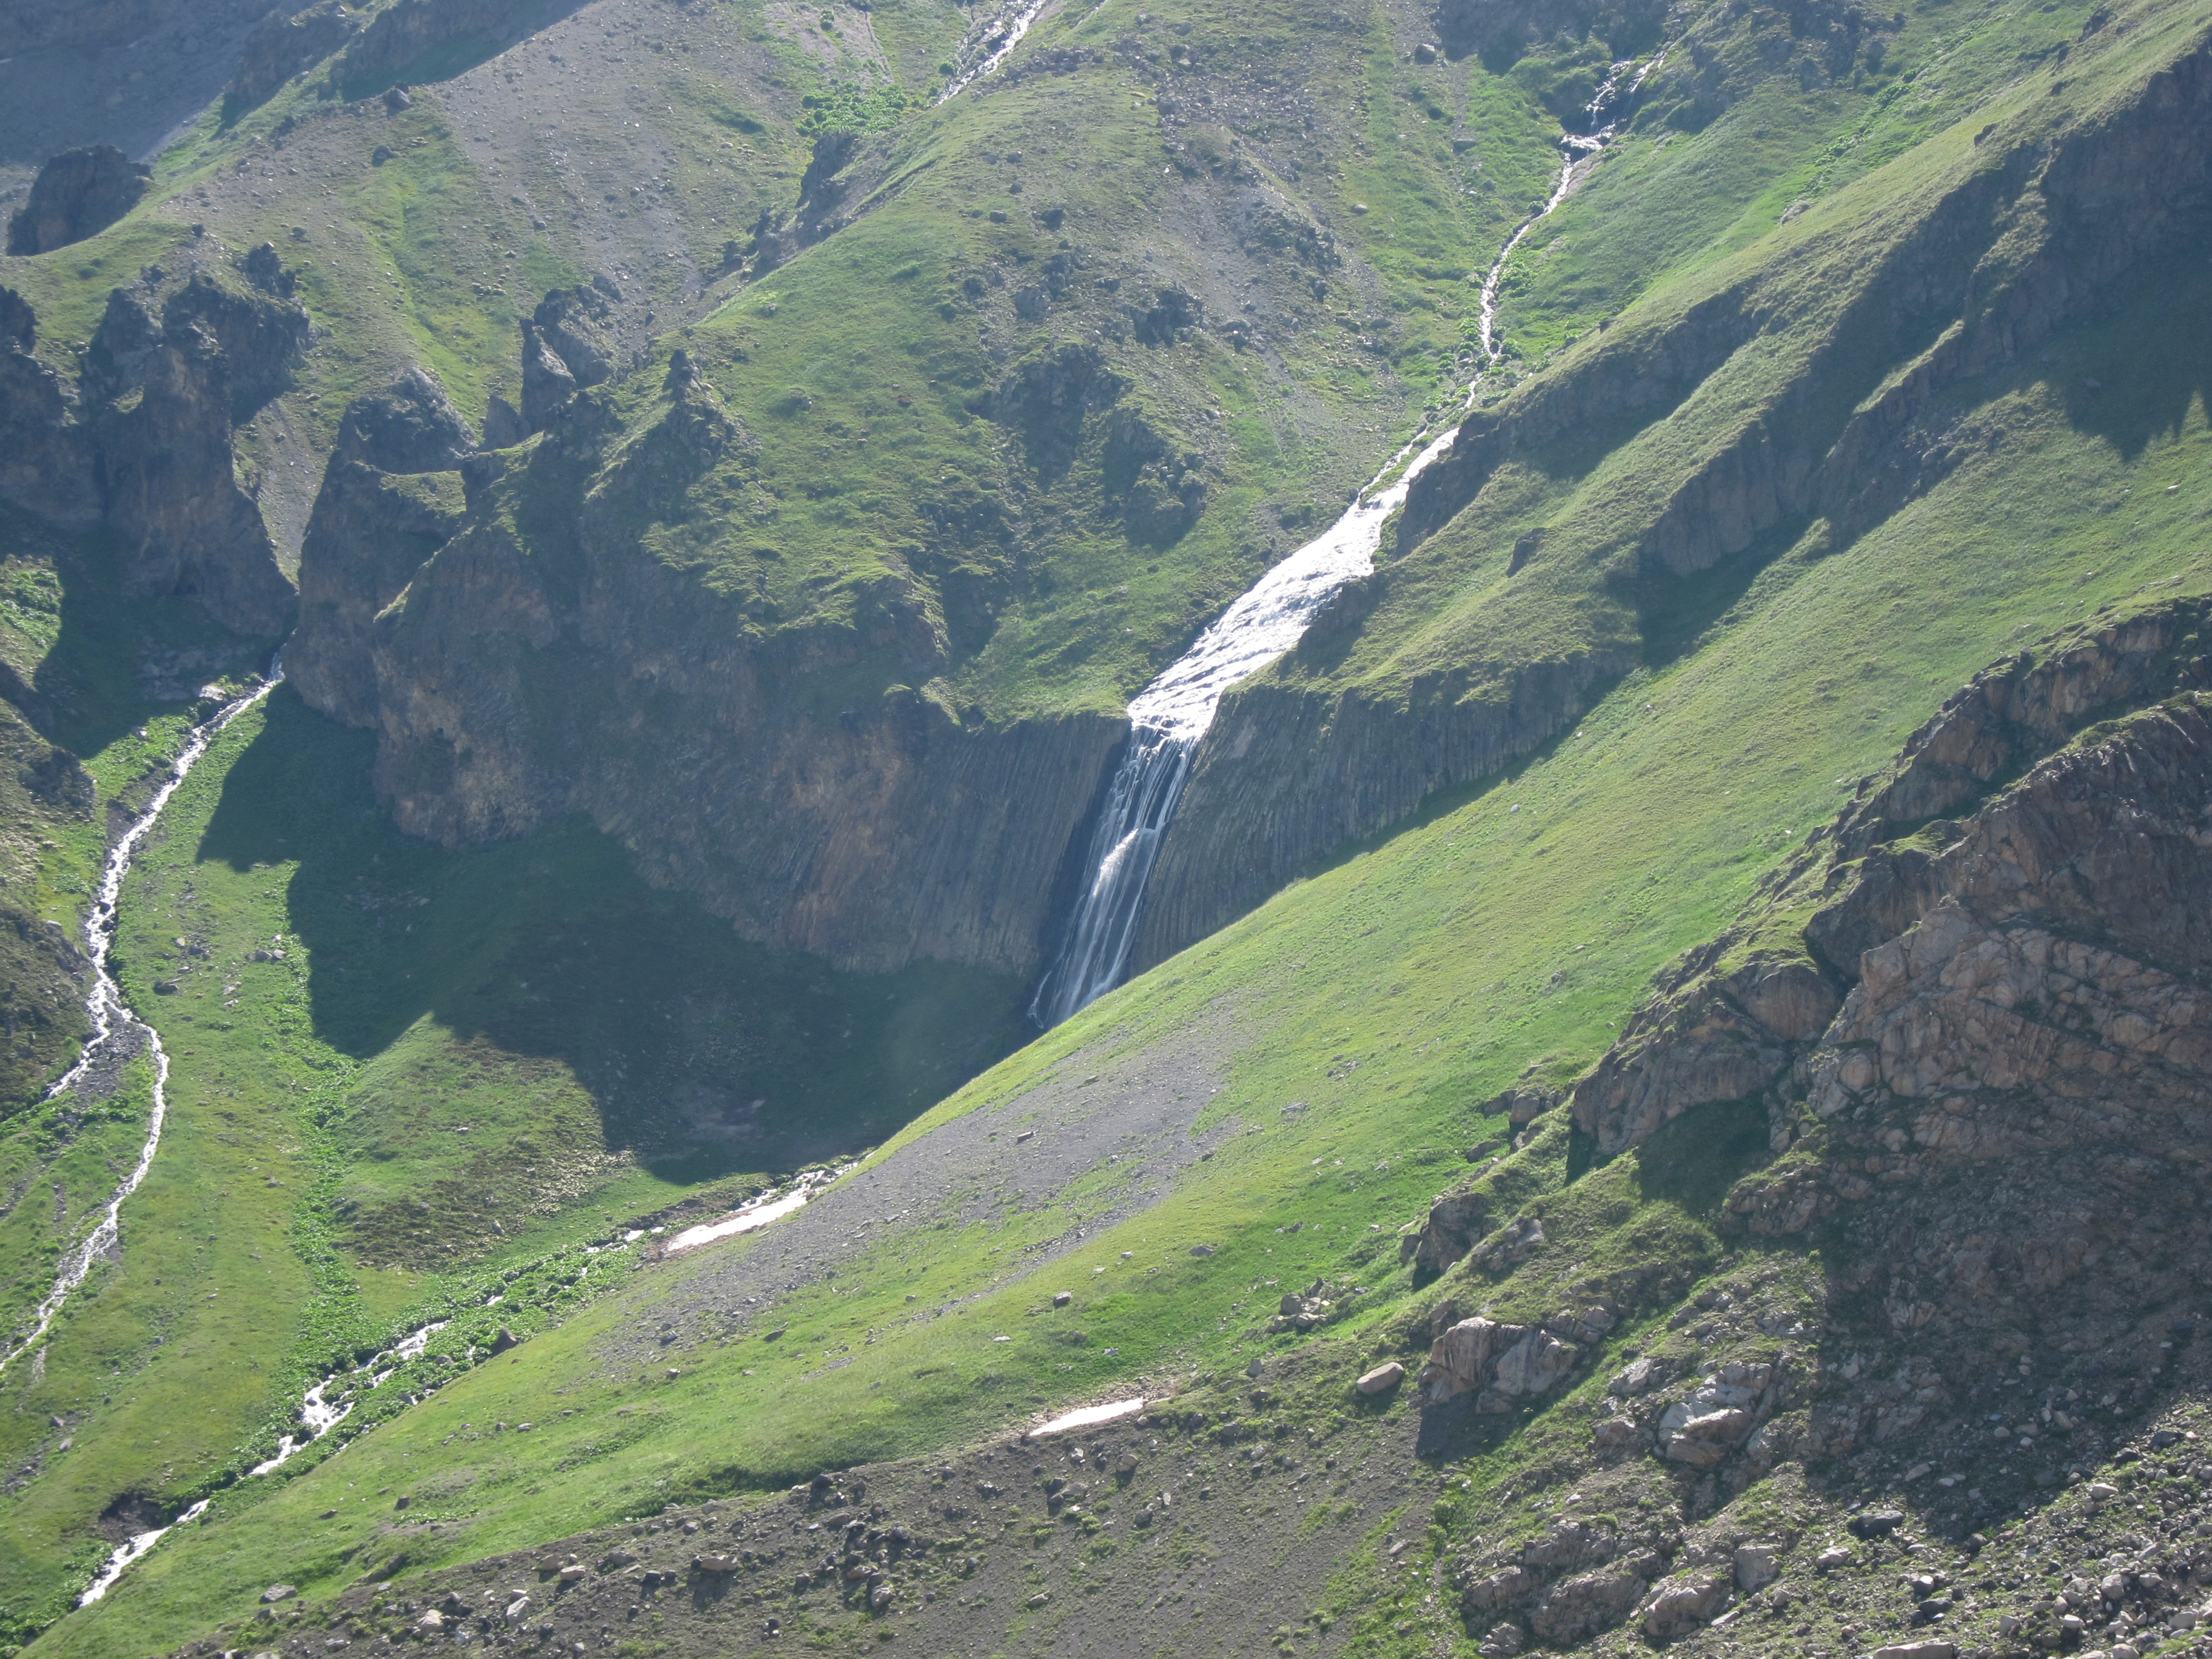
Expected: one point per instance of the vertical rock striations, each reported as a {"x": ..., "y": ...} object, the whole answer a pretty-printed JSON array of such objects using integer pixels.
[{"x": 806, "y": 781}]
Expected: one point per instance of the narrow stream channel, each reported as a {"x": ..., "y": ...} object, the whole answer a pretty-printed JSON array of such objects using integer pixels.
[{"x": 113, "y": 1021}]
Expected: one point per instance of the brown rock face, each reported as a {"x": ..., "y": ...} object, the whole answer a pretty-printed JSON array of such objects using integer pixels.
[
  {"x": 579, "y": 672},
  {"x": 1711, "y": 1035},
  {"x": 173, "y": 492},
  {"x": 77, "y": 194},
  {"x": 392, "y": 496}
]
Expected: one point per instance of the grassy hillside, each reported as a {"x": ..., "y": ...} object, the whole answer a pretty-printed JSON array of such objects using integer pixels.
[
  {"x": 1351, "y": 1028},
  {"x": 408, "y": 1079}
]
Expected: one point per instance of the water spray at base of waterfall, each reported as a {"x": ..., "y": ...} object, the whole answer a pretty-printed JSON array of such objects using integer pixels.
[
  {"x": 1170, "y": 716},
  {"x": 113, "y": 1020}
]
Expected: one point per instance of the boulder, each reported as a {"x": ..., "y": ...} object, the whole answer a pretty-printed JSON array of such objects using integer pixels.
[
  {"x": 77, "y": 194},
  {"x": 1681, "y": 1605},
  {"x": 1875, "y": 1523},
  {"x": 1382, "y": 1379},
  {"x": 1454, "y": 1222},
  {"x": 1757, "y": 1565},
  {"x": 1503, "y": 1363},
  {"x": 1586, "y": 1605}
]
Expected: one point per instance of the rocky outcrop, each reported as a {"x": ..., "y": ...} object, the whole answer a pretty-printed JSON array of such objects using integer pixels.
[
  {"x": 171, "y": 489},
  {"x": 77, "y": 194},
  {"x": 261, "y": 333},
  {"x": 146, "y": 442},
  {"x": 1738, "y": 1018},
  {"x": 45, "y": 457},
  {"x": 1453, "y": 1225},
  {"x": 391, "y": 496},
  {"x": 565, "y": 349},
  {"x": 1501, "y": 1365},
  {"x": 19, "y": 323},
  {"x": 545, "y": 660},
  {"x": 279, "y": 47}
]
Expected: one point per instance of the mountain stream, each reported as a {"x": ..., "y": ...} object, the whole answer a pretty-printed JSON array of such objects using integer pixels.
[
  {"x": 1168, "y": 718},
  {"x": 114, "y": 1025}
]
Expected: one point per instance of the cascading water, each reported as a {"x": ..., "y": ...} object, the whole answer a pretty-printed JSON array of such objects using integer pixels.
[
  {"x": 1168, "y": 719},
  {"x": 998, "y": 37},
  {"x": 113, "y": 1021}
]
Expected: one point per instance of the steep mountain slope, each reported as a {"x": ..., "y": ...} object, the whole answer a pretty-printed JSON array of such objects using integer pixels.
[{"x": 784, "y": 583}]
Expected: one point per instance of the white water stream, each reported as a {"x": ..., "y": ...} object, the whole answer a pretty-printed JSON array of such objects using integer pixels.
[
  {"x": 1167, "y": 717},
  {"x": 1025, "y": 12},
  {"x": 113, "y": 1020}
]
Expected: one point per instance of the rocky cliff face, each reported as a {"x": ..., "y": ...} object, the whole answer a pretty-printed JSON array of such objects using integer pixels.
[
  {"x": 1990, "y": 1119},
  {"x": 278, "y": 47},
  {"x": 77, "y": 194},
  {"x": 392, "y": 496},
  {"x": 144, "y": 440},
  {"x": 1738, "y": 1019},
  {"x": 46, "y": 460},
  {"x": 543, "y": 661}
]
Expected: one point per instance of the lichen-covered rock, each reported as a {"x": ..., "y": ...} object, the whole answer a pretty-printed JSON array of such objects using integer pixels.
[{"x": 78, "y": 193}]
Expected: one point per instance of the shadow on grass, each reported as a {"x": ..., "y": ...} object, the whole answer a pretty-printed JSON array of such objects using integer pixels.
[
  {"x": 1694, "y": 1160},
  {"x": 703, "y": 1054}
]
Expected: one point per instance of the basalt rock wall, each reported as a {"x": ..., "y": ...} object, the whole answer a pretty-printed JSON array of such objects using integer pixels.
[
  {"x": 1285, "y": 776},
  {"x": 804, "y": 781}
]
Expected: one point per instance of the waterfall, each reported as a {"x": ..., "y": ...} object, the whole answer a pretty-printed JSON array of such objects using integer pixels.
[{"x": 1168, "y": 719}]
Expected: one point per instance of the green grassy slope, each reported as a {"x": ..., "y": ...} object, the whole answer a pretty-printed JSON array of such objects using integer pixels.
[{"x": 1388, "y": 995}]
